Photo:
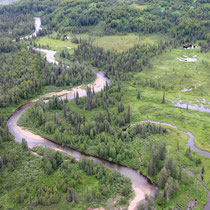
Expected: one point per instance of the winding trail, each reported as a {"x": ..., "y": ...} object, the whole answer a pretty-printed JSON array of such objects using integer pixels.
[{"x": 141, "y": 185}]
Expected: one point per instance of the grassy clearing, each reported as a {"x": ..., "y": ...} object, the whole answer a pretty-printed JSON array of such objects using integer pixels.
[
  {"x": 139, "y": 7},
  {"x": 122, "y": 43},
  {"x": 167, "y": 69},
  {"x": 55, "y": 44},
  {"x": 119, "y": 43}
]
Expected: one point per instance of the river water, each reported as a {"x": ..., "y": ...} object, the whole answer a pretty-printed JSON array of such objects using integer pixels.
[
  {"x": 190, "y": 143},
  {"x": 202, "y": 107},
  {"x": 141, "y": 185},
  {"x": 37, "y": 26}
]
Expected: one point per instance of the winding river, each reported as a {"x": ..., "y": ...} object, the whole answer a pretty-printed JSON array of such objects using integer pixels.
[
  {"x": 140, "y": 184},
  {"x": 202, "y": 107}
]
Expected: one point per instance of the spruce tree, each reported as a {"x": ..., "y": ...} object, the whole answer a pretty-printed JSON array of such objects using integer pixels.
[
  {"x": 163, "y": 176},
  {"x": 64, "y": 110},
  {"x": 138, "y": 95},
  {"x": 24, "y": 144},
  {"x": 56, "y": 118},
  {"x": 203, "y": 170},
  {"x": 163, "y": 101},
  {"x": 128, "y": 115}
]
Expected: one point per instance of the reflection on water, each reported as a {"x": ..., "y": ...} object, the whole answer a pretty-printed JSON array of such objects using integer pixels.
[{"x": 202, "y": 107}]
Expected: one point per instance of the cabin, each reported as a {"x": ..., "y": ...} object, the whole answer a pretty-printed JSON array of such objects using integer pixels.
[{"x": 190, "y": 46}]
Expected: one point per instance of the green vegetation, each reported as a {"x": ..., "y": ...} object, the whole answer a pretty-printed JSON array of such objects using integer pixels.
[
  {"x": 48, "y": 178},
  {"x": 167, "y": 69},
  {"x": 140, "y": 7},
  {"x": 122, "y": 43},
  {"x": 137, "y": 45},
  {"x": 33, "y": 73},
  {"x": 55, "y": 44},
  {"x": 83, "y": 120},
  {"x": 102, "y": 114},
  {"x": 13, "y": 23}
]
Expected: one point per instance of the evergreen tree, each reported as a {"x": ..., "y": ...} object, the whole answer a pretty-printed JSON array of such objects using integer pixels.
[
  {"x": 162, "y": 150},
  {"x": 177, "y": 146},
  {"x": 128, "y": 115},
  {"x": 180, "y": 174},
  {"x": 151, "y": 168},
  {"x": 56, "y": 118},
  {"x": 69, "y": 196},
  {"x": 203, "y": 170},
  {"x": 163, "y": 176},
  {"x": 138, "y": 95},
  {"x": 64, "y": 110},
  {"x": 163, "y": 101},
  {"x": 24, "y": 144}
]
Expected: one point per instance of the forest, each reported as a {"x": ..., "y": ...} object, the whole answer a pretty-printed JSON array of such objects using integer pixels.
[
  {"x": 121, "y": 123},
  {"x": 24, "y": 73},
  {"x": 54, "y": 179},
  {"x": 187, "y": 19}
]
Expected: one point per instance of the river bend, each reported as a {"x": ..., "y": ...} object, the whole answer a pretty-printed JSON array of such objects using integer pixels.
[{"x": 140, "y": 184}]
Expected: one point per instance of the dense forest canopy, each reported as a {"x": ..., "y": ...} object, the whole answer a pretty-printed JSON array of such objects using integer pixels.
[{"x": 112, "y": 16}]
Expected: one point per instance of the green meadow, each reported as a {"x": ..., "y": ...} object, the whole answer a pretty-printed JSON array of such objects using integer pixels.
[
  {"x": 55, "y": 44},
  {"x": 122, "y": 43},
  {"x": 119, "y": 43}
]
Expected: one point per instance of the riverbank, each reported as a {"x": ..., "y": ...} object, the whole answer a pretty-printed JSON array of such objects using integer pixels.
[
  {"x": 82, "y": 95},
  {"x": 140, "y": 185}
]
